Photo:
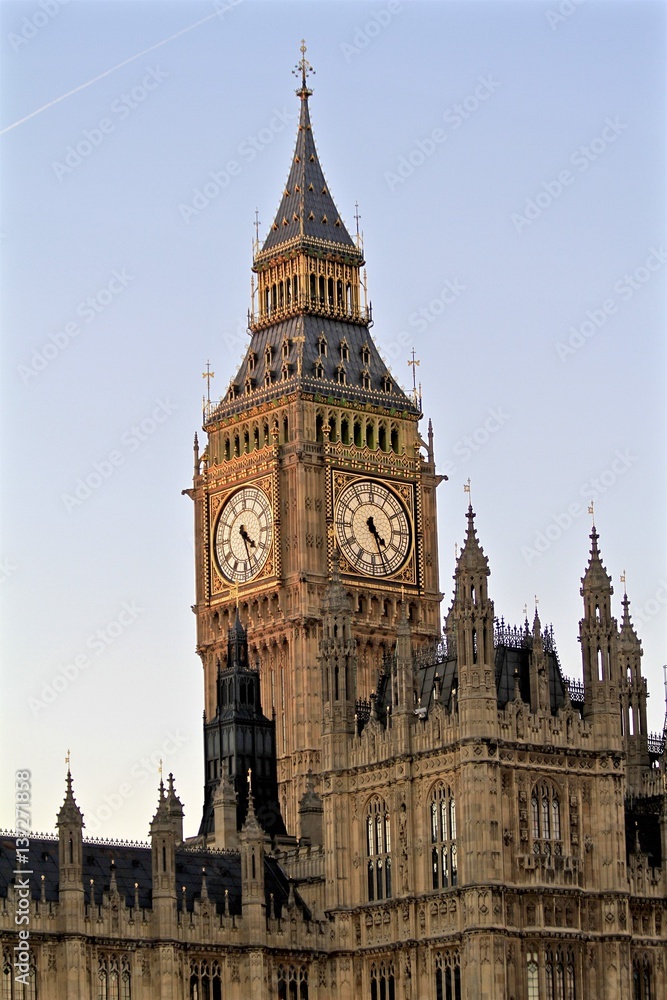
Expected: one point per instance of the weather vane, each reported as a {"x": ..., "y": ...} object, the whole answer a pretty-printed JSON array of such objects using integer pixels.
[
  {"x": 414, "y": 364},
  {"x": 591, "y": 510},
  {"x": 466, "y": 489},
  {"x": 625, "y": 589}
]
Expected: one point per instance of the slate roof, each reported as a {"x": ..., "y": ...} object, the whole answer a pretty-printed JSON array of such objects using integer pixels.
[
  {"x": 133, "y": 864},
  {"x": 306, "y": 207},
  {"x": 355, "y": 336}
]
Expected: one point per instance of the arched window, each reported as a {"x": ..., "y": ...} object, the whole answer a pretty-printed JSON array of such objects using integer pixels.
[
  {"x": 114, "y": 979},
  {"x": 642, "y": 979},
  {"x": 383, "y": 984},
  {"x": 533, "y": 976},
  {"x": 444, "y": 864},
  {"x": 394, "y": 440},
  {"x": 545, "y": 819},
  {"x": 378, "y": 849},
  {"x": 205, "y": 981},
  {"x": 292, "y": 982},
  {"x": 447, "y": 976}
]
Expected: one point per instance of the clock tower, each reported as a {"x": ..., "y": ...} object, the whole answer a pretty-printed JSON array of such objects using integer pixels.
[{"x": 313, "y": 455}]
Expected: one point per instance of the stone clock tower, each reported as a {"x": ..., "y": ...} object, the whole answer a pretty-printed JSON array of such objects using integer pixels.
[{"x": 313, "y": 455}]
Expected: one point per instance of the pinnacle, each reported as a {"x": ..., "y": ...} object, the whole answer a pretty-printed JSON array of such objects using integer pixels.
[
  {"x": 472, "y": 555},
  {"x": 69, "y": 811},
  {"x": 596, "y": 576}
]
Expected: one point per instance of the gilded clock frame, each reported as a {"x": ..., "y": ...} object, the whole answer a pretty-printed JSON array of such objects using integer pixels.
[
  {"x": 407, "y": 575},
  {"x": 220, "y": 586}
]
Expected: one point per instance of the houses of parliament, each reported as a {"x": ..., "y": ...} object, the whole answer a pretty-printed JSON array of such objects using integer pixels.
[{"x": 397, "y": 805}]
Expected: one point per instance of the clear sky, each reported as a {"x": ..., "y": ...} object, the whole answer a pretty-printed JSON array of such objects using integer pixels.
[{"x": 509, "y": 162}]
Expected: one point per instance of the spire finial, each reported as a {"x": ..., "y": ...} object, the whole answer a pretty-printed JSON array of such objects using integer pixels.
[
  {"x": 68, "y": 758},
  {"x": 623, "y": 581},
  {"x": 466, "y": 489},
  {"x": 591, "y": 511},
  {"x": 208, "y": 375},
  {"x": 303, "y": 69},
  {"x": 414, "y": 364}
]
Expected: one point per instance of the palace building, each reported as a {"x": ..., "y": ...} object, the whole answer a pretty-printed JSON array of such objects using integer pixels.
[{"x": 396, "y": 805}]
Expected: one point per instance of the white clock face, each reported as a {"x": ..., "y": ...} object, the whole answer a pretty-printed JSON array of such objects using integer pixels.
[
  {"x": 372, "y": 528},
  {"x": 244, "y": 534}
]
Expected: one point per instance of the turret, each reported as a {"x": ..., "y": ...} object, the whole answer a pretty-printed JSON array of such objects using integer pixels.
[
  {"x": 598, "y": 637},
  {"x": 471, "y": 622},
  {"x": 633, "y": 700},
  {"x": 251, "y": 845},
  {"x": 70, "y": 858},
  {"x": 163, "y": 852}
]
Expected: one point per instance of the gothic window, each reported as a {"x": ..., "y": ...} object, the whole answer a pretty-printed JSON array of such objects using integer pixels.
[
  {"x": 114, "y": 978},
  {"x": 365, "y": 355},
  {"x": 287, "y": 346},
  {"x": 248, "y": 386},
  {"x": 268, "y": 379},
  {"x": 252, "y": 361},
  {"x": 532, "y": 970},
  {"x": 386, "y": 384},
  {"x": 642, "y": 979},
  {"x": 378, "y": 849},
  {"x": 444, "y": 865},
  {"x": 319, "y": 369},
  {"x": 365, "y": 380},
  {"x": 11, "y": 989},
  {"x": 545, "y": 819},
  {"x": 340, "y": 375},
  {"x": 447, "y": 976},
  {"x": 344, "y": 351},
  {"x": 292, "y": 983},
  {"x": 322, "y": 346},
  {"x": 267, "y": 356},
  {"x": 205, "y": 980},
  {"x": 383, "y": 985}
]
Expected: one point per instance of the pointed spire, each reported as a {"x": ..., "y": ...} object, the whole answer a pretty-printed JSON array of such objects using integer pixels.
[
  {"x": 596, "y": 576},
  {"x": 69, "y": 813},
  {"x": 627, "y": 628},
  {"x": 204, "y": 888},
  {"x": 471, "y": 556},
  {"x": 306, "y": 208},
  {"x": 251, "y": 825}
]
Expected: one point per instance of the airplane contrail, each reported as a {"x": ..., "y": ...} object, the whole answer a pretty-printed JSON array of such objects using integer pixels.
[{"x": 113, "y": 69}]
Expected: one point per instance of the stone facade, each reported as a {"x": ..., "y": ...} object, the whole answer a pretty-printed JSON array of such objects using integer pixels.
[{"x": 423, "y": 814}]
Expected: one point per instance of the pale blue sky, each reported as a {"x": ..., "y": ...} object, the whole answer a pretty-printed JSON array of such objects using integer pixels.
[{"x": 455, "y": 269}]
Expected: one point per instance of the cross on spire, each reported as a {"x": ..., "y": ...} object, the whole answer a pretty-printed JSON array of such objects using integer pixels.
[
  {"x": 414, "y": 364},
  {"x": 591, "y": 510},
  {"x": 208, "y": 375},
  {"x": 466, "y": 489},
  {"x": 67, "y": 760},
  {"x": 303, "y": 69},
  {"x": 257, "y": 226}
]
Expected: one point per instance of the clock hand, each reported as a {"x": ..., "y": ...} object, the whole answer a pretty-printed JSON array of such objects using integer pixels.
[
  {"x": 247, "y": 540},
  {"x": 378, "y": 540},
  {"x": 373, "y": 530}
]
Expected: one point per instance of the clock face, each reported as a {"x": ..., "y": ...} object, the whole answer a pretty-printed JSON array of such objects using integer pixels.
[
  {"x": 372, "y": 528},
  {"x": 243, "y": 534}
]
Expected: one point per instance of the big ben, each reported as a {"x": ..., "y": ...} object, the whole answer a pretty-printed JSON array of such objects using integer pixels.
[{"x": 314, "y": 456}]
